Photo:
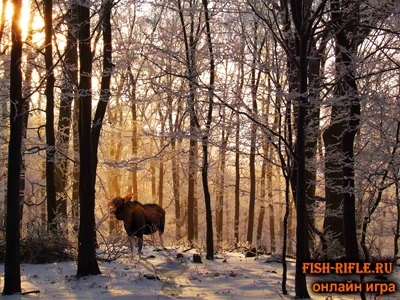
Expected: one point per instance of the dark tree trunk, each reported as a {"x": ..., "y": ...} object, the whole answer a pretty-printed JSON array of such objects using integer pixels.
[
  {"x": 190, "y": 64},
  {"x": 333, "y": 220},
  {"x": 303, "y": 27},
  {"x": 75, "y": 172},
  {"x": 205, "y": 143},
  {"x": 237, "y": 181},
  {"x": 50, "y": 135},
  {"x": 12, "y": 273},
  {"x": 301, "y": 202},
  {"x": 240, "y": 85},
  {"x": 253, "y": 135},
  {"x": 105, "y": 83},
  {"x": 270, "y": 203},
  {"x": 285, "y": 234},
  {"x": 105, "y": 93},
  {"x": 252, "y": 200},
  {"x": 345, "y": 19},
  {"x": 192, "y": 171},
  {"x": 397, "y": 227},
  {"x": 87, "y": 263},
  {"x": 312, "y": 131}
]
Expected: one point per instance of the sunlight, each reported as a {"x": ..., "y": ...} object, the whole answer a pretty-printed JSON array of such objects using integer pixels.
[{"x": 24, "y": 22}]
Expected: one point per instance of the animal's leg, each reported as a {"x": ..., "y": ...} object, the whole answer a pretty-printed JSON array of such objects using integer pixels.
[
  {"x": 153, "y": 239},
  {"x": 161, "y": 238},
  {"x": 140, "y": 244},
  {"x": 132, "y": 242}
]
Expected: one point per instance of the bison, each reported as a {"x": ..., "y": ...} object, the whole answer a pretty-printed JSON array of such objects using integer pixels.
[{"x": 139, "y": 219}]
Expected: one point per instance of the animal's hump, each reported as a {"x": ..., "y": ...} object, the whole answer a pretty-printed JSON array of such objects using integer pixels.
[{"x": 135, "y": 202}]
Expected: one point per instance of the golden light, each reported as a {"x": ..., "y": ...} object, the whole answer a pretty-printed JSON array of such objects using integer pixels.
[{"x": 37, "y": 21}]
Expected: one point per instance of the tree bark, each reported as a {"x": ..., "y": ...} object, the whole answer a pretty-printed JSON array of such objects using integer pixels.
[
  {"x": 303, "y": 27},
  {"x": 87, "y": 263},
  {"x": 68, "y": 96},
  {"x": 105, "y": 93},
  {"x": 240, "y": 81},
  {"x": 397, "y": 227},
  {"x": 270, "y": 202},
  {"x": 50, "y": 135},
  {"x": 190, "y": 64},
  {"x": 135, "y": 138},
  {"x": 173, "y": 128},
  {"x": 237, "y": 181},
  {"x": 255, "y": 79},
  {"x": 12, "y": 272},
  {"x": 220, "y": 186},
  {"x": 161, "y": 162},
  {"x": 205, "y": 142},
  {"x": 345, "y": 19}
]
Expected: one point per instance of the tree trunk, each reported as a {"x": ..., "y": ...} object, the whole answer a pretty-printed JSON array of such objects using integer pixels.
[
  {"x": 220, "y": 187},
  {"x": 253, "y": 135},
  {"x": 50, "y": 135},
  {"x": 237, "y": 181},
  {"x": 105, "y": 93},
  {"x": 312, "y": 130},
  {"x": 153, "y": 181},
  {"x": 205, "y": 143},
  {"x": 333, "y": 220},
  {"x": 190, "y": 64},
  {"x": 301, "y": 202},
  {"x": 252, "y": 200},
  {"x": 303, "y": 31},
  {"x": 286, "y": 225},
  {"x": 270, "y": 202},
  {"x": 397, "y": 227},
  {"x": 87, "y": 263},
  {"x": 68, "y": 95},
  {"x": 345, "y": 17},
  {"x": 260, "y": 222},
  {"x": 12, "y": 273},
  {"x": 135, "y": 138},
  {"x": 173, "y": 127},
  {"x": 75, "y": 171},
  {"x": 161, "y": 162},
  {"x": 240, "y": 81},
  {"x": 263, "y": 189}
]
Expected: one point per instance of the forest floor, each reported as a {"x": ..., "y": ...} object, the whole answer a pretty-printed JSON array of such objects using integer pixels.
[{"x": 161, "y": 275}]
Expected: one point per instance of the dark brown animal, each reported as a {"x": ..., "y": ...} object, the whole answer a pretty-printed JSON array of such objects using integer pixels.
[{"x": 139, "y": 219}]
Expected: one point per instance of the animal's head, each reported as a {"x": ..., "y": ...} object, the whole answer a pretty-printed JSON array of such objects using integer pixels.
[{"x": 116, "y": 205}]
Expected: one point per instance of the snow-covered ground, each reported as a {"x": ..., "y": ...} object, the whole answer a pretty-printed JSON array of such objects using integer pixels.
[{"x": 161, "y": 275}]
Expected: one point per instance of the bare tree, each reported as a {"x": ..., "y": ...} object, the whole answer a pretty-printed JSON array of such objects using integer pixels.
[
  {"x": 190, "y": 39},
  {"x": 12, "y": 276},
  {"x": 304, "y": 18},
  {"x": 68, "y": 96},
  {"x": 87, "y": 263},
  {"x": 50, "y": 135}
]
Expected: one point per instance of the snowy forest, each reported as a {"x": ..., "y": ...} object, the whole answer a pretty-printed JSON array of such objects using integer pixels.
[{"x": 260, "y": 126}]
